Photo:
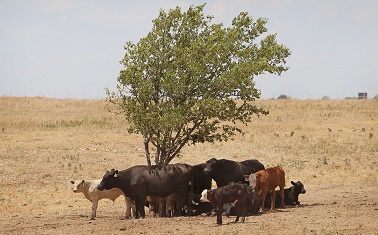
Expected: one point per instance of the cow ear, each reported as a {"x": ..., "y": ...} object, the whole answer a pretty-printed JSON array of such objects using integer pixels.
[
  {"x": 293, "y": 183},
  {"x": 83, "y": 182}
]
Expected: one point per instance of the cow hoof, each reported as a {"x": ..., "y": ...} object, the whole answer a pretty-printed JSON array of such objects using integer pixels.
[{"x": 93, "y": 218}]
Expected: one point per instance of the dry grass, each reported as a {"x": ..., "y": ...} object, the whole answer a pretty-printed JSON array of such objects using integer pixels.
[{"x": 47, "y": 142}]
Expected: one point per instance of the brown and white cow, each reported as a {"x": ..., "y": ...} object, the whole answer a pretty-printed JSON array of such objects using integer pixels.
[
  {"x": 267, "y": 180},
  {"x": 234, "y": 193},
  {"x": 90, "y": 191}
]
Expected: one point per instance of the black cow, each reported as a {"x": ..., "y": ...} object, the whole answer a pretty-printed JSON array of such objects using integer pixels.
[
  {"x": 137, "y": 182},
  {"x": 201, "y": 180},
  {"x": 224, "y": 171},
  {"x": 291, "y": 195}
]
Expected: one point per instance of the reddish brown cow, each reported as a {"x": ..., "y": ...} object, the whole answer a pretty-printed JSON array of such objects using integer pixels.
[
  {"x": 267, "y": 180},
  {"x": 156, "y": 205}
]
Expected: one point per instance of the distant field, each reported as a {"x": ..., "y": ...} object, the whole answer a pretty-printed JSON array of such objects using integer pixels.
[{"x": 329, "y": 145}]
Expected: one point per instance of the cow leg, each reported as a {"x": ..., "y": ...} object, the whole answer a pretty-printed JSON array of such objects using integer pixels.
[
  {"x": 130, "y": 205},
  {"x": 168, "y": 208},
  {"x": 273, "y": 200},
  {"x": 133, "y": 207},
  {"x": 244, "y": 211},
  {"x": 219, "y": 217},
  {"x": 136, "y": 214},
  {"x": 140, "y": 206},
  {"x": 282, "y": 193},
  {"x": 189, "y": 202},
  {"x": 183, "y": 192},
  {"x": 241, "y": 210},
  {"x": 238, "y": 212},
  {"x": 94, "y": 208},
  {"x": 161, "y": 205},
  {"x": 262, "y": 200},
  {"x": 128, "y": 208}
]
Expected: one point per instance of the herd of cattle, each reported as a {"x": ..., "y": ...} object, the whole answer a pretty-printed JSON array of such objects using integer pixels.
[{"x": 243, "y": 189}]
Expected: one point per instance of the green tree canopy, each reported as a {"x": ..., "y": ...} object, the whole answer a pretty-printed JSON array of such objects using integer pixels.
[{"x": 190, "y": 80}]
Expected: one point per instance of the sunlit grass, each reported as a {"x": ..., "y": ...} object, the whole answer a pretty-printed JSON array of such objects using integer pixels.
[{"x": 306, "y": 137}]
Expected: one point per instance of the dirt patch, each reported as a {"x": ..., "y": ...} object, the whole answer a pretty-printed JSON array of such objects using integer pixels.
[{"x": 324, "y": 210}]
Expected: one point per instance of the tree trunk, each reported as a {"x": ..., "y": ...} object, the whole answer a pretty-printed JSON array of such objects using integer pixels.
[{"x": 146, "y": 149}]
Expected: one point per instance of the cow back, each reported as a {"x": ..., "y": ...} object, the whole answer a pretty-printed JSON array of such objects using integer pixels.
[
  {"x": 162, "y": 181},
  {"x": 252, "y": 166},
  {"x": 270, "y": 178},
  {"x": 224, "y": 171}
]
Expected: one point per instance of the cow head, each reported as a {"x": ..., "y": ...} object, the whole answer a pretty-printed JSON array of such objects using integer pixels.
[
  {"x": 108, "y": 180},
  {"x": 77, "y": 185},
  {"x": 251, "y": 179},
  {"x": 298, "y": 187},
  {"x": 204, "y": 195},
  {"x": 211, "y": 166}
]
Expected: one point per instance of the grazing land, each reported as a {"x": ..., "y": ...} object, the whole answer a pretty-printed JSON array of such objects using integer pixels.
[{"x": 331, "y": 146}]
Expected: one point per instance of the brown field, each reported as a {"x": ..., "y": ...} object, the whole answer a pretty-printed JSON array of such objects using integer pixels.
[{"x": 329, "y": 145}]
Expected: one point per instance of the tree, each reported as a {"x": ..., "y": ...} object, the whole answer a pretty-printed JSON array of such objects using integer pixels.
[
  {"x": 190, "y": 81},
  {"x": 283, "y": 97}
]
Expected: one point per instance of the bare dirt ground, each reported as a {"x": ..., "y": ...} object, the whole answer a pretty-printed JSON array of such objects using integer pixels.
[{"x": 330, "y": 146}]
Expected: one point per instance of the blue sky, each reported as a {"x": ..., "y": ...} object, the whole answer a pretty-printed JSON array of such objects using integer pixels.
[{"x": 72, "y": 48}]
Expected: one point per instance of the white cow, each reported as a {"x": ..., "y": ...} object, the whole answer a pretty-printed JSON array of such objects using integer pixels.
[{"x": 90, "y": 191}]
